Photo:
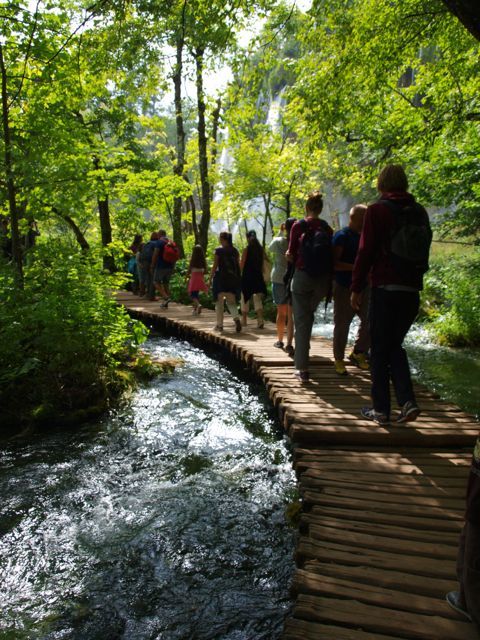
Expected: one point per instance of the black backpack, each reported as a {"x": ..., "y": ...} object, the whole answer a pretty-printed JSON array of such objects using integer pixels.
[
  {"x": 146, "y": 254},
  {"x": 316, "y": 249},
  {"x": 229, "y": 270},
  {"x": 410, "y": 239}
]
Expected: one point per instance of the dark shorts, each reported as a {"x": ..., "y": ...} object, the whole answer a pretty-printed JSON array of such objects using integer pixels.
[
  {"x": 279, "y": 293},
  {"x": 194, "y": 295},
  {"x": 162, "y": 276}
]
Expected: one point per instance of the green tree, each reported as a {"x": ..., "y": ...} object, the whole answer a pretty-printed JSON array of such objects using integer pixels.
[{"x": 394, "y": 81}]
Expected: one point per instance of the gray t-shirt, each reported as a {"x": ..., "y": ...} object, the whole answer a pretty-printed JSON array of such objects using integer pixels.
[{"x": 278, "y": 248}]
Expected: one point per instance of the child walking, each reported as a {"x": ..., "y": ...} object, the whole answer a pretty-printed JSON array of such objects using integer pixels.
[{"x": 196, "y": 272}]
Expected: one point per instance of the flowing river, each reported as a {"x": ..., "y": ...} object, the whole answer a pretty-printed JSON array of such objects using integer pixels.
[{"x": 165, "y": 520}]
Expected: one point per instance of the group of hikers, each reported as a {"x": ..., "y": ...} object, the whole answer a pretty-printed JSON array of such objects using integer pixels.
[{"x": 373, "y": 268}]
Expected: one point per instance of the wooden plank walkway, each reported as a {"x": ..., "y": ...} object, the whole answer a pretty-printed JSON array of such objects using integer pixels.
[{"x": 382, "y": 507}]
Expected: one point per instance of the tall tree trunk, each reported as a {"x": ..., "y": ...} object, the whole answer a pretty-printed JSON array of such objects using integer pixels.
[
  {"x": 179, "y": 167},
  {"x": 202, "y": 152},
  {"x": 12, "y": 204},
  {"x": 468, "y": 12},
  {"x": 267, "y": 218},
  {"x": 193, "y": 210},
  {"x": 288, "y": 198},
  {"x": 105, "y": 224},
  {"x": 215, "y": 126}
]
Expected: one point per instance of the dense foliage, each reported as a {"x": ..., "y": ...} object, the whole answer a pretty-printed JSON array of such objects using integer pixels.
[
  {"x": 63, "y": 339},
  {"x": 451, "y": 300}
]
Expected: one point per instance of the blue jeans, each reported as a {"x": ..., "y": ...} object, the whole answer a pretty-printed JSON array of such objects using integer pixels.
[{"x": 392, "y": 313}]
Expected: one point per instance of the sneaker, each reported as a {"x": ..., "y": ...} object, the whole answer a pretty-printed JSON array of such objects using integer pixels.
[
  {"x": 454, "y": 600},
  {"x": 408, "y": 413},
  {"x": 289, "y": 350},
  {"x": 260, "y": 325},
  {"x": 369, "y": 413},
  {"x": 278, "y": 344},
  {"x": 164, "y": 304},
  {"x": 199, "y": 309},
  {"x": 303, "y": 376},
  {"x": 218, "y": 328},
  {"x": 238, "y": 324},
  {"x": 340, "y": 368},
  {"x": 359, "y": 360}
]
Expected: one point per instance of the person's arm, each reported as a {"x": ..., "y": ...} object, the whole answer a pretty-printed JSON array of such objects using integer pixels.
[
  {"x": 364, "y": 260},
  {"x": 244, "y": 258},
  {"x": 367, "y": 251},
  {"x": 338, "y": 265},
  {"x": 295, "y": 233},
  {"x": 156, "y": 251},
  {"x": 214, "y": 268}
]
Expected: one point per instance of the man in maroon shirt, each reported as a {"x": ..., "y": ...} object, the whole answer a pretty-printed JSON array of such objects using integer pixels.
[
  {"x": 467, "y": 600},
  {"x": 394, "y": 293}
]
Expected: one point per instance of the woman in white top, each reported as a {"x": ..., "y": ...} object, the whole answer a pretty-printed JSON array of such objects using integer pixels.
[{"x": 280, "y": 290}]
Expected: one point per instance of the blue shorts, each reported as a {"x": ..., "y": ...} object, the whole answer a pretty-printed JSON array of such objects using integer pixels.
[{"x": 279, "y": 293}]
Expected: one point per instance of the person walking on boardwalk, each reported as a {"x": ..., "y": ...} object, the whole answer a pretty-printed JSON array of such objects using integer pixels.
[
  {"x": 132, "y": 265},
  {"x": 467, "y": 600},
  {"x": 345, "y": 247},
  {"x": 281, "y": 296},
  {"x": 310, "y": 250},
  {"x": 163, "y": 264},
  {"x": 147, "y": 288},
  {"x": 253, "y": 284},
  {"x": 196, "y": 272},
  {"x": 225, "y": 280},
  {"x": 394, "y": 248}
]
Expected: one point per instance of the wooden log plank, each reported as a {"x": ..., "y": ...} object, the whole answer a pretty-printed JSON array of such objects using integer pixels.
[
  {"x": 436, "y": 472},
  {"x": 412, "y": 491},
  {"x": 450, "y": 504},
  {"x": 296, "y": 629},
  {"x": 392, "y": 530},
  {"x": 399, "y": 510},
  {"x": 326, "y": 551},
  {"x": 313, "y": 584},
  {"x": 357, "y": 539},
  {"x": 390, "y": 579},
  {"x": 408, "y": 482},
  {"x": 361, "y": 513},
  {"x": 366, "y": 436},
  {"x": 382, "y": 620}
]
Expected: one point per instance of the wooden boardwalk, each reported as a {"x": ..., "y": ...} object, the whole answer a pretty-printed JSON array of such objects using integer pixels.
[{"x": 382, "y": 507}]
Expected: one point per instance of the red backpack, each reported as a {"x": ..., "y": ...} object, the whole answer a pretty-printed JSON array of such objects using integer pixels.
[{"x": 170, "y": 252}]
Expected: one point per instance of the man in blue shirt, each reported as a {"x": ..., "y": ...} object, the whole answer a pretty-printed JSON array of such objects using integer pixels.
[{"x": 345, "y": 246}]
